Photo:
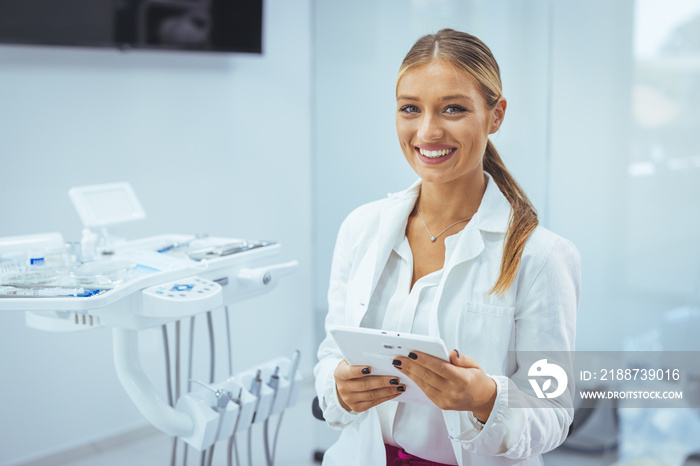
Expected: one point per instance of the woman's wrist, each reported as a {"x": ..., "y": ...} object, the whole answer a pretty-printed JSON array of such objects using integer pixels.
[
  {"x": 483, "y": 412},
  {"x": 340, "y": 400}
]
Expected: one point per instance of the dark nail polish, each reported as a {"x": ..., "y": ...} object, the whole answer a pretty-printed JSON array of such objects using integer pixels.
[
  {"x": 394, "y": 381},
  {"x": 457, "y": 353},
  {"x": 366, "y": 370},
  {"x": 400, "y": 389},
  {"x": 412, "y": 355},
  {"x": 397, "y": 363}
]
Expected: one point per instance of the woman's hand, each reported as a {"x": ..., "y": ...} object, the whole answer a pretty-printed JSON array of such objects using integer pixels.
[
  {"x": 358, "y": 390},
  {"x": 459, "y": 385}
]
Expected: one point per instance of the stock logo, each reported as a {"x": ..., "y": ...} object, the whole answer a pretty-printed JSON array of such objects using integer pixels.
[{"x": 542, "y": 368}]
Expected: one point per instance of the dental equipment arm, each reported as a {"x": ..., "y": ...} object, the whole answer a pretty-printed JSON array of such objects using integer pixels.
[
  {"x": 266, "y": 275},
  {"x": 141, "y": 390}
]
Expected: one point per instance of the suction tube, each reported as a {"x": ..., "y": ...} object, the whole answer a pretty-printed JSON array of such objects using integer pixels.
[{"x": 140, "y": 389}]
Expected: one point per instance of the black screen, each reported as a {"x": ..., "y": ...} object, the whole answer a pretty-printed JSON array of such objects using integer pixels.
[{"x": 207, "y": 25}]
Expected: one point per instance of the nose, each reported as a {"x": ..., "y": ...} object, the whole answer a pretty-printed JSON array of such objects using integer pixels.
[{"x": 430, "y": 128}]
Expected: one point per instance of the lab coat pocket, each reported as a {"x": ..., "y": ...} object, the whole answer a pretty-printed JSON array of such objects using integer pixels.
[
  {"x": 490, "y": 309},
  {"x": 487, "y": 334}
]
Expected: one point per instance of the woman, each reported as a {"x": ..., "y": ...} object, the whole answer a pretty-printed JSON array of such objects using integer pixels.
[{"x": 458, "y": 255}]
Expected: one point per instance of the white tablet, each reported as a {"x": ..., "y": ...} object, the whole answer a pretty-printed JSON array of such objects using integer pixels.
[{"x": 378, "y": 348}]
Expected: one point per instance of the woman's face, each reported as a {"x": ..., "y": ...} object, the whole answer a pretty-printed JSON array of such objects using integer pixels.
[{"x": 443, "y": 123}]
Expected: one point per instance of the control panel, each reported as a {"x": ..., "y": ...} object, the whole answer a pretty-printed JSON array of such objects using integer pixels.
[{"x": 180, "y": 298}]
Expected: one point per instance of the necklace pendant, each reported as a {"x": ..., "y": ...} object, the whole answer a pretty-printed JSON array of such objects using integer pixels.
[{"x": 432, "y": 238}]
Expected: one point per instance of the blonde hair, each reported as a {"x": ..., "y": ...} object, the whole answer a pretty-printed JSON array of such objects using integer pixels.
[{"x": 469, "y": 54}]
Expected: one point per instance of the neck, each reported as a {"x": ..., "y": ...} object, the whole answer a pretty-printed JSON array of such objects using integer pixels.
[{"x": 443, "y": 203}]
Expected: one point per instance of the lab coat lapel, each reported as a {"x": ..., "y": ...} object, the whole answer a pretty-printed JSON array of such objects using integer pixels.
[
  {"x": 358, "y": 297},
  {"x": 392, "y": 226}
]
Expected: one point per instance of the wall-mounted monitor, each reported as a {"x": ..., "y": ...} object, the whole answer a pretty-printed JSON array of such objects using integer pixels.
[{"x": 196, "y": 25}]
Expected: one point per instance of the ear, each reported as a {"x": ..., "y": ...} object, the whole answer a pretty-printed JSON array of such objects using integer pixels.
[{"x": 498, "y": 113}]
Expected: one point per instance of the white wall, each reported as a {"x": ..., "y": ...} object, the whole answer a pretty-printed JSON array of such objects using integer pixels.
[{"x": 215, "y": 143}]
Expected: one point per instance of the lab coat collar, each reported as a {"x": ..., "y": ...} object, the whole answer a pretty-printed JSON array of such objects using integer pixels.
[
  {"x": 494, "y": 211},
  {"x": 493, "y": 214}
]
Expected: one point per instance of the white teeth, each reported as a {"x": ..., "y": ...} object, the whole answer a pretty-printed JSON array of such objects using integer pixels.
[{"x": 435, "y": 153}]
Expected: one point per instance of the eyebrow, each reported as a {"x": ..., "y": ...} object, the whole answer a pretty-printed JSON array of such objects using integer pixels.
[
  {"x": 456, "y": 96},
  {"x": 447, "y": 97}
]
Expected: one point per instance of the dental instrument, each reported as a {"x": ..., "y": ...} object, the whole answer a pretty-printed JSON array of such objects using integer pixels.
[
  {"x": 182, "y": 244},
  {"x": 255, "y": 390},
  {"x": 293, "y": 383},
  {"x": 273, "y": 383},
  {"x": 235, "y": 429}
]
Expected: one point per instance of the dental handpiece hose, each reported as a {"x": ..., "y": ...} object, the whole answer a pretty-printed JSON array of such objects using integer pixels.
[
  {"x": 273, "y": 383},
  {"x": 222, "y": 400},
  {"x": 255, "y": 390},
  {"x": 235, "y": 428},
  {"x": 291, "y": 377}
]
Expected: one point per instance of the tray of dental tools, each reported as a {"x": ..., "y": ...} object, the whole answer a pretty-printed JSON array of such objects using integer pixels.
[{"x": 62, "y": 283}]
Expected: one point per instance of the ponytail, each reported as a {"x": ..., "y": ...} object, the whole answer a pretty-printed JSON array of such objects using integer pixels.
[{"x": 523, "y": 219}]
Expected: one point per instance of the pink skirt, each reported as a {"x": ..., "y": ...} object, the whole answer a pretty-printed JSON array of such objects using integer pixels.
[{"x": 398, "y": 457}]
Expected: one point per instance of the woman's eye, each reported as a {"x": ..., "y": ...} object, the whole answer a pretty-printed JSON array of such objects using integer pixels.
[
  {"x": 453, "y": 109},
  {"x": 409, "y": 109}
]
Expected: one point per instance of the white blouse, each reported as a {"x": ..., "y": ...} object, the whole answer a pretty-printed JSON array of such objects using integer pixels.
[{"x": 418, "y": 429}]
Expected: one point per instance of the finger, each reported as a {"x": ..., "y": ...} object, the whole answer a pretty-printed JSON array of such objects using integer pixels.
[
  {"x": 440, "y": 367},
  {"x": 370, "y": 383},
  {"x": 428, "y": 380},
  {"x": 446, "y": 393},
  {"x": 462, "y": 360},
  {"x": 344, "y": 371},
  {"x": 353, "y": 399},
  {"x": 445, "y": 370},
  {"x": 428, "y": 361},
  {"x": 372, "y": 397}
]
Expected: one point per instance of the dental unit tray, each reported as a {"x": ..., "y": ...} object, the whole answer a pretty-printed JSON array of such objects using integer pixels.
[
  {"x": 226, "y": 249},
  {"x": 136, "y": 287}
]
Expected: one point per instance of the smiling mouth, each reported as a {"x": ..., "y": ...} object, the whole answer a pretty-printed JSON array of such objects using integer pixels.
[{"x": 434, "y": 154}]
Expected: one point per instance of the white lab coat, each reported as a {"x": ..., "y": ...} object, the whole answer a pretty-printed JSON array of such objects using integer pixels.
[{"x": 537, "y": 313}]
